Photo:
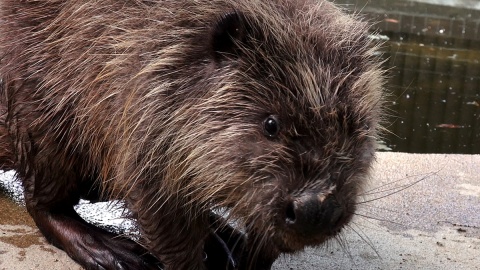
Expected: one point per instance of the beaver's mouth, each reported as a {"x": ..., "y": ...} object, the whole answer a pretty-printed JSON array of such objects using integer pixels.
[
  {"x": 310, "y": 221},
  {"x": 289, "y": 242}
]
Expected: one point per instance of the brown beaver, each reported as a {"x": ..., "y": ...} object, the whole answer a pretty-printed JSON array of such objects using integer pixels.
[{"x": 265, "y": 110}]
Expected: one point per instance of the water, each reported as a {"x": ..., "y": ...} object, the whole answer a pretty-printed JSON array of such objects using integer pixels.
[
  {"x": 433, "y": 58},
  {"x": 435, "y": 95}
]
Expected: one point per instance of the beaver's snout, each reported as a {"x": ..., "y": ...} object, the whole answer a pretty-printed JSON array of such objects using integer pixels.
[{"x": 313, "y": 215}]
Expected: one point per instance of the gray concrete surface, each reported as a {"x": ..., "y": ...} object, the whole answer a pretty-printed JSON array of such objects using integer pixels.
[{"x": 419, "y": 212}]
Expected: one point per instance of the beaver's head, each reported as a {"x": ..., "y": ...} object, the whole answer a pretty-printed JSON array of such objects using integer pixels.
[{"x": 280, "y": 127}]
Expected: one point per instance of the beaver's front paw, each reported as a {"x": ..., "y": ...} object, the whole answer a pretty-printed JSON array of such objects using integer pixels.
[{"x": 224, "y": 247}]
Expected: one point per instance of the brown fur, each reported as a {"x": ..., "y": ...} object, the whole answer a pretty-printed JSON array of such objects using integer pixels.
[{"x": 128, "y": 96}]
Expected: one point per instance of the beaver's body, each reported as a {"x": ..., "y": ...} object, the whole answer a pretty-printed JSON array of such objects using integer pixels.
[{"x": 266, "y": 108}]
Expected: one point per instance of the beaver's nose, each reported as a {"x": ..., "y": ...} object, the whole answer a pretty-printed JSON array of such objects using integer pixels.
[{"x": 313, "y": 214}]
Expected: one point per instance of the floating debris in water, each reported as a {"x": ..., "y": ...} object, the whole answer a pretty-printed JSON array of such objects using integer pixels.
[
  {"x": 379, "y": 37},
  {"x": 449, "y": 126},
  {"x": 474, "y": 103}
]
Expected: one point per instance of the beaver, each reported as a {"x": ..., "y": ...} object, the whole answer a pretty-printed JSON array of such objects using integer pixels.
[{"x": 234, "y": 130}]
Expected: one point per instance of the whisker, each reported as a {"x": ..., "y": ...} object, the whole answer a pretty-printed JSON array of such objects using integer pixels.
[
  {"x": 395, "y": 190},
  {"x": 342, "y": 242},
  {"x": 364, "y": 238},
  {"x": 369, "y": 192},
  {"x": 377, "y": 219}
]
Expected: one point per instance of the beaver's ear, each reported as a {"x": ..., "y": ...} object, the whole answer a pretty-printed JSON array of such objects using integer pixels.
[{"x": 228, "y": 35}]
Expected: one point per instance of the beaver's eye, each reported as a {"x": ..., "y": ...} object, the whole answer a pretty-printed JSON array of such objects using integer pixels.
[{"x": 271, "y": 126}]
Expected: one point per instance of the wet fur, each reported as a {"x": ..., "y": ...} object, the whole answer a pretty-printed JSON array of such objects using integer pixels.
[{"x": 129, "y": 100}]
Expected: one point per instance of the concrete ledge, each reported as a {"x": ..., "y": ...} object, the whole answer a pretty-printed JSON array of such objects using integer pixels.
[{"x": 420, "y": 212}]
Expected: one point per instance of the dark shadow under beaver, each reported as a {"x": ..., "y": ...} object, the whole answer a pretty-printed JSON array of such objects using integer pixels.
[{"x": 268, "y": 109}]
